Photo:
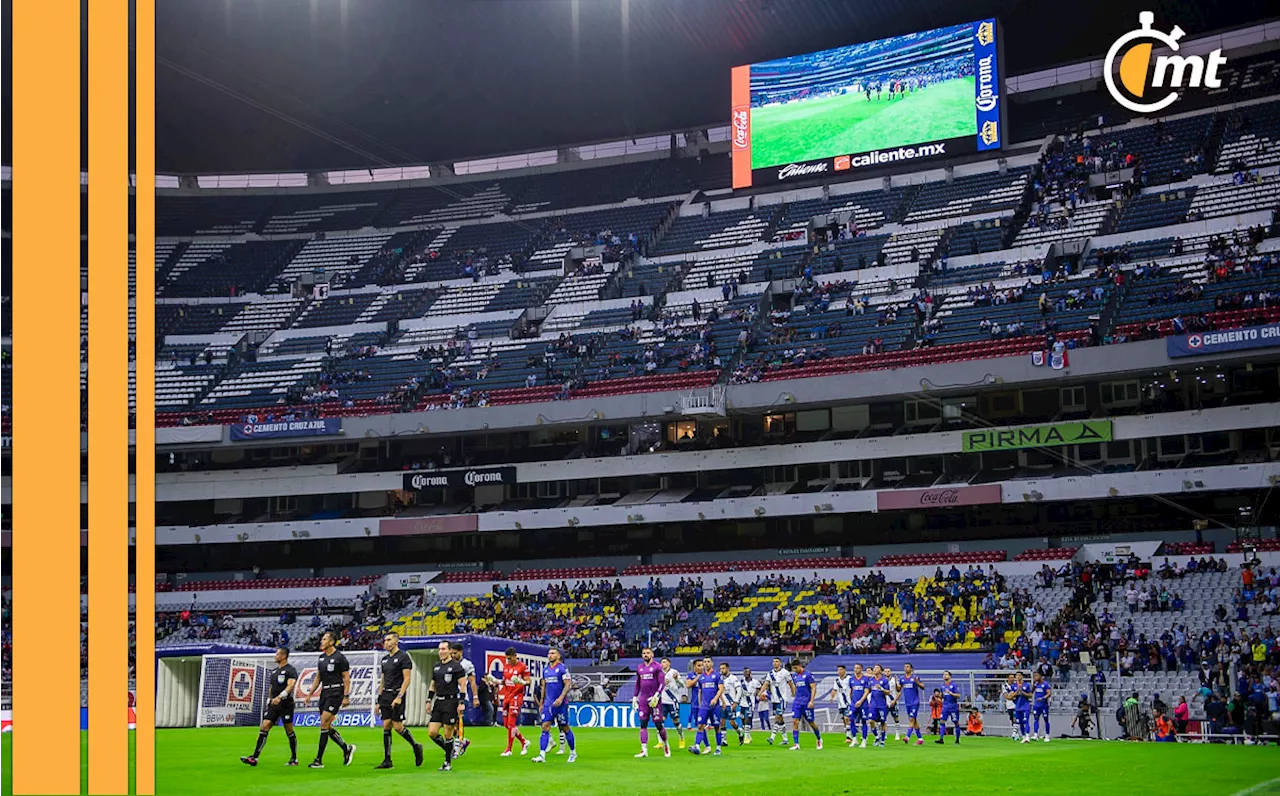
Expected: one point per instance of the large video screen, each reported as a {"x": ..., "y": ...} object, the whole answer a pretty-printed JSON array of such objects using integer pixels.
[{"x": 905, "y": 98}]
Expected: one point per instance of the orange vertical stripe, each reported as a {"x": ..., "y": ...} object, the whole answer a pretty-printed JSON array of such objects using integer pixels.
[
  {"x": 145, "y": 394},
  {"x": 108, "y": 398},
  {"x": 46, "y": 396},
  {"x": 740, "y": 125}
]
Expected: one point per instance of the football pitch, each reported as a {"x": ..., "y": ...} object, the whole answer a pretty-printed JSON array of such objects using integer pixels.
[
  {"x": 822, "y": 128},
  {"x": 206, "y": 762}
]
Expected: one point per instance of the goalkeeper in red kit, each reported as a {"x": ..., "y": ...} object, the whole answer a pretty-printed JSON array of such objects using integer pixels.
[{"x": 515, "y": 678}]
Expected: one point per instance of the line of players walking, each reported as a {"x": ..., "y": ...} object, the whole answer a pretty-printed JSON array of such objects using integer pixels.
[{"x": 719, "y": 701}]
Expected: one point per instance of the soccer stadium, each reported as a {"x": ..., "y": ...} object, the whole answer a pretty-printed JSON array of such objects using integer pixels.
[{"x": 555, "y": 462}]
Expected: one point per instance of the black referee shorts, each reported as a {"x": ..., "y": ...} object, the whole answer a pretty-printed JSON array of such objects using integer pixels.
[
  {"x": 445, "y": 711},
  {"x": 388, "y": 711},
  {"x": 331, "y": 701},
  {"x": 279, "y": 714}
]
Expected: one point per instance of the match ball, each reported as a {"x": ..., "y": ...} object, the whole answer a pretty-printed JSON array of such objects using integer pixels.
[{"x": 431, "y": 590}]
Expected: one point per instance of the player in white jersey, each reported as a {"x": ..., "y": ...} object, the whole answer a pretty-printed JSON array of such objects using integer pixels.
[
  {"x": 893, "y": 703},
  {"x": 672, "y": 687},
  {"x": 842, "y": 692},
  {"x": 778, "y": 686},
  {"x": 732, "y": 698},
  {"x": 747, "y": 701}
]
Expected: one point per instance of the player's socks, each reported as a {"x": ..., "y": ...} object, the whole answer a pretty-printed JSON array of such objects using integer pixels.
[
  {"x": 293, "y": 745},
  {"x": 662, "y": 733},
  {"x": 719, "y": 738},
  {"x": 569, "y": 735},
  {"x": 546, "y": 739},
  {"x": 386, "y": 744},
  {"x": 644, "y": 736},
  {"x": 795, "y": 737},
  {"x": 262, "y": 741},
  {"x": 324, "y": 741},
  {"x": 700, "y": 740},
  {"x": 337, "y": 738},
  {"x": 1046, "y": 728},
  {"x": 817, "y": 734},
  {"x": 408, "y": 736}
]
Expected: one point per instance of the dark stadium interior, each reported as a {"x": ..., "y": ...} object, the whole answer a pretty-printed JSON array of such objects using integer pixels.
[{"x": 455, "y": 298}]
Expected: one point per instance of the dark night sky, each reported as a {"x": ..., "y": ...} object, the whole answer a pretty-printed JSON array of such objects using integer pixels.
[{"x": 264, "y": 85}]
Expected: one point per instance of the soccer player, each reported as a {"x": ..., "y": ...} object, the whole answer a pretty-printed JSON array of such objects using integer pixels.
[
  {"x": 333, "y": 681},
  {"x": 892, "y": 707},
  {"x": 909, "y": 690},
  {"x": 515, "y": 678},
  {"x": 648, "y": 702},
  {"x": 776, "y": 681},
  {"x": 732, "y": 698},
  {"x": 397, "y": 671},
  {"x": 709, "y": 688},
  {"x": 443, "y": 695},
  {"x": 878, "y": 690},
  {"x": 860, "y": 699},
  {"x": 841, "y": 691},
  {"x": 1021, "y": 696},
  {"x": 804, "y": 690},
  {"x": 671, "y": 686},
  {"x": 555, "y": 705},
  {"x": 468, "y": 686},
  {"x": 1009, "y": 706},
  {"x": 279, "y": 708},
  {"x": 1040, "y": 693},
  {"x": 747, "y": 701},
  {"x": 950, "y": 708}
]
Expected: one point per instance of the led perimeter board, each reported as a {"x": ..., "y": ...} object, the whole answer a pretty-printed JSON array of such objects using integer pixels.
[{"x": 920, "y": 96}]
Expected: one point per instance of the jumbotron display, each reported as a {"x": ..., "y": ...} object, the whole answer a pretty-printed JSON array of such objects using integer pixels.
[{"x": 923, "y": 95}]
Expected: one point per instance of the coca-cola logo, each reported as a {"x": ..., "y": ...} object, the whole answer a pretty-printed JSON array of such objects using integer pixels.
[
  {"x": 940, "y": 497},
  {"x": 802, "y": 169},
  {"x": 741, "y": 127}
]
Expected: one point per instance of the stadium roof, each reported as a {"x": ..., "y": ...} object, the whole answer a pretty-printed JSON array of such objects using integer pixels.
[{"x": 266, "y": 85}]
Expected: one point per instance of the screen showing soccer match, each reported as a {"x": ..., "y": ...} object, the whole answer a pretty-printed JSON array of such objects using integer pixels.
[{"x": 920, "y": 96}]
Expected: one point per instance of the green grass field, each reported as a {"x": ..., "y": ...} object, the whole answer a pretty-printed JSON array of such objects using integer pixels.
[
  {"x": 206, "y": 762},
  {"x": 820, "y": 128}
]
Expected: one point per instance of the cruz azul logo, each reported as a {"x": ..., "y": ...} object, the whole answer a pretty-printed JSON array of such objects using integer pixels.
[{"x": 1139, "y": 79}]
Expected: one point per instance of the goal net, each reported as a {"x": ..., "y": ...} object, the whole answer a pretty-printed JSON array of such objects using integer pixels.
[{"x": 234, "y": 690}]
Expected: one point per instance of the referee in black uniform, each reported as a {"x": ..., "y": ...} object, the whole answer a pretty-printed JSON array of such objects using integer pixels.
[
  {"x": 397, "y": 671},
  {"x": 442, "y": 695},
  {"x": 279, "y": 708},
  {"x": 333, "y": 681}
]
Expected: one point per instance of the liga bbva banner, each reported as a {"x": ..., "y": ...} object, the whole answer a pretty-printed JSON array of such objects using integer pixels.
[
  {"x": 1006, "y": 439},
  {"x": 323, "y": 427}
]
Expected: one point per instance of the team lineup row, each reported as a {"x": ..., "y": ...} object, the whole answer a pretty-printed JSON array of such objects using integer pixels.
[{"x": 719, "y": 700}]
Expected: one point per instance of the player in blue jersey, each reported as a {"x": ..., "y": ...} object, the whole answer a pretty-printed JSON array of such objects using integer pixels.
[
  {"x": 950, "y": 708},
  {"x": 1020, "y": 694},
  {"x": 555, "y": 705},
  {"x": 860, "y": 702},
  {"x": 1041, "y": 691},
  {"x": 717, "y": 706},
  {"x": 880, "y": 698},
  {"x": 909, "y": 690},
  {"x": 841, "y": 692},
  {"x": 709, "y": 688},
  {"x": 804, "y": 690}
]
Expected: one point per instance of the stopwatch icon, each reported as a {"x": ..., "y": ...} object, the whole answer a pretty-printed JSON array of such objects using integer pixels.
[{"x": 1136, "y": 62}]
